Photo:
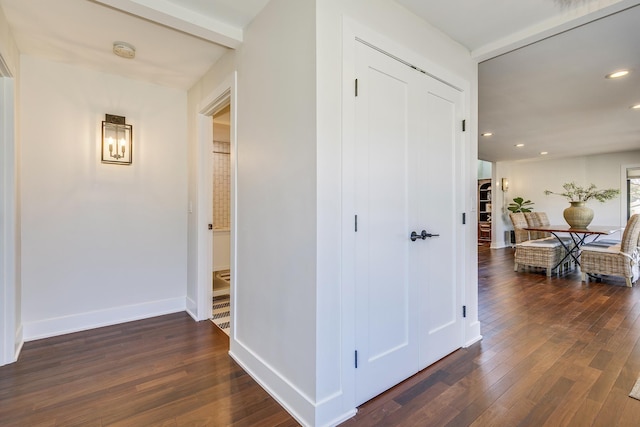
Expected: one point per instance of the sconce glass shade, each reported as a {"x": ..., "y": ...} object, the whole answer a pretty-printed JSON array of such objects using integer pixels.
[
  {"x": 117, "y": 138},
  {"x": 505, "y": 184}
]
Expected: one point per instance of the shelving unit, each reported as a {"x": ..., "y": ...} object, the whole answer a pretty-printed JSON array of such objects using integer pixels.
[{"x": 484, "y": 209}]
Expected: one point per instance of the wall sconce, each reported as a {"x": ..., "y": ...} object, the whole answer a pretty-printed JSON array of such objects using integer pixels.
[
  {"x": 116, "y": 140},
  {"x": 505, "y": 184}
]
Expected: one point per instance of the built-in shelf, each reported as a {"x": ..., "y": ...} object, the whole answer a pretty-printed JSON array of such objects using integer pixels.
[{"x": 485, "y": 209}]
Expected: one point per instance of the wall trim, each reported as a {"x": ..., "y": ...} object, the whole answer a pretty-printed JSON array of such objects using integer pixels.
[
  {"x": 19, "y": 341},
  {"x": 9, "y": 221},
  {"x": 224, "y": 93},
  {"x": 299, "y": 405},
  {"x": 327, "y": 412},
  {"x": 191, "y": 308},
  {"x": 95, "y": 319}
]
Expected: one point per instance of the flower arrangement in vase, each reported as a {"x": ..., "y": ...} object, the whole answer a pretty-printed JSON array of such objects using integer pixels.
[{"x": 578, "y": 215}]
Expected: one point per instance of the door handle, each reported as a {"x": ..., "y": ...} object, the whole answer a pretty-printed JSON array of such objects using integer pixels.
[{"x": 423, "y": 235}]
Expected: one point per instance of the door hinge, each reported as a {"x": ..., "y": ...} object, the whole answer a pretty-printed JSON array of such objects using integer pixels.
[
  {"x": 356, "y": 223},
  {"x": 464, "y": 126},
  {"x": 355, "y": 356},
  {"x": 356, "y": 87},
  {"x": 464, "y": 218},
  {"x": 464, "y": 311}
]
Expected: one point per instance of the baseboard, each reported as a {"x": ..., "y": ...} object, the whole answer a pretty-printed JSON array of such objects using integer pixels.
[
  {"x": 286, "y": 394},
  {"x": 192, "y": 308},
  {"x": 495, "y": 245},
  {"x": 96, "y": 319},
  {"x": 19, "y": 343},
  {"x": 325, "y": 413},
  {"x": 473, "y": 331}
]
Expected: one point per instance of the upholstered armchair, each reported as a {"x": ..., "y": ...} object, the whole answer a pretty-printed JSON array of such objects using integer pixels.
[
  {"x": 616, "y": 259},
  {"x": 543, "y": 253},
  {"x": 537, "y": 219}
]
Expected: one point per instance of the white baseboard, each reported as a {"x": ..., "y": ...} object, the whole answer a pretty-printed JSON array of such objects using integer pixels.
[
  {"x": 325, "y": 413},
  {"x": 286, "y": 394},
  {"x": 96, "y": 319},
  {"x": 192, "y": 308},
  {"x": 19, "y": 341},
  {"x": 473, "y": 334},
  {"x": 500, "y": 245}
]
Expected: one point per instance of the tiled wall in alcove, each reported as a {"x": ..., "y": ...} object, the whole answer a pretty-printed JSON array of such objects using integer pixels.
[{"x": 221, "y": 186}]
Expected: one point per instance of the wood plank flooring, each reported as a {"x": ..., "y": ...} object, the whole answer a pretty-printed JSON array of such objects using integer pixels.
[
  {"x": 164, "y": 371},
  {"x": 555, "y": 352}
]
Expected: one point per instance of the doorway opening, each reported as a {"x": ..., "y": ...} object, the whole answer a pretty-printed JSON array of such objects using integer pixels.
[{"x": 221, "y": 213}]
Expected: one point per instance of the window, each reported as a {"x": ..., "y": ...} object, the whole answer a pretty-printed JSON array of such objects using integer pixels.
[{"x": 633, "y": 192}]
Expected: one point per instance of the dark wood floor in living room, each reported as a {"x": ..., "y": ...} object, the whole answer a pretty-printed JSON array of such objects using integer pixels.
[{"x": 555, "y": 352}]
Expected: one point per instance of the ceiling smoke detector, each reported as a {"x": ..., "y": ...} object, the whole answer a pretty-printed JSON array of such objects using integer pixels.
[{"x": 124, "y": 50}]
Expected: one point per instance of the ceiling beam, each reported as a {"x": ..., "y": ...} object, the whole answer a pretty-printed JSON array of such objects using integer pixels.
[
  {"x": 187, "y": 21},
  {"x": 556, "y": 25}
]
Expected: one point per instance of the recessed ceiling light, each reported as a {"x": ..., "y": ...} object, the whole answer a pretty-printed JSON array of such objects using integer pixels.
[
  {"x": 617, "y": 74},
  {"x": 519, "y": 145},
  {"x": 124, "y": 50},
  {"x": 544, "y": 153},
  {"x": 487, "y": 134},
  {"x": 635, "y": 107}
]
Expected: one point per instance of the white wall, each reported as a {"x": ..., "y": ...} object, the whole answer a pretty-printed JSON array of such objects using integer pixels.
[
  {"x": 529, "y": 179},
  {"x": 276, "y": 211},
  {"x": 484, "y": 169},
  {"x": 221, "y": 250},
  {"x": 8, "y": 47},
  {"x": 102, "y": 243}
]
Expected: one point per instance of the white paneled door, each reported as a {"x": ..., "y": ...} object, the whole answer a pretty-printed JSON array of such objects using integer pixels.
[{"x": 408, "y": 310}]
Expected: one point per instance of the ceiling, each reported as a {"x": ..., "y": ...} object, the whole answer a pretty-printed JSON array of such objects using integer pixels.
[
  {"x": 553, "y": 97},
  {"x": 549, "y": 95},
  {"x": 176, "y": 41}
]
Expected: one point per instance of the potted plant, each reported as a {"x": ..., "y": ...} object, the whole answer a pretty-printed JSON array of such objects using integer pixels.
[
  {"x": 520, "y": 205},
  {"x": 578, "y": 215}
]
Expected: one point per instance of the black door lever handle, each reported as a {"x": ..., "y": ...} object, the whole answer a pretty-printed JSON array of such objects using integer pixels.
[{"x": 423, "y": 235}]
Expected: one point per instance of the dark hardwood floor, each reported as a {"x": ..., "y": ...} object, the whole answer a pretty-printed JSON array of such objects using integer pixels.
[
  {"x": 164, "y": 371},
  {"x": 555, "y": 352}
]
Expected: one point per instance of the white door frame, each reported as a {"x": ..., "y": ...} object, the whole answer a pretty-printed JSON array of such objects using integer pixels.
[
  {"x": 10, "y": 336},
  {"x": 223, "y": 94}
]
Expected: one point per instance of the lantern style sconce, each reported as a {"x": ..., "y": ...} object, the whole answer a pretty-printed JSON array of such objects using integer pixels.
[
  {"x": 116, "y": 140},
  {"x": 505, "y": 184}
]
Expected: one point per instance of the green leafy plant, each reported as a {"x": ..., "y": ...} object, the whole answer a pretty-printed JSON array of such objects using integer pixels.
[
  {"x": 520, "y": 205},
  {"x": 576, "y": 193}
]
